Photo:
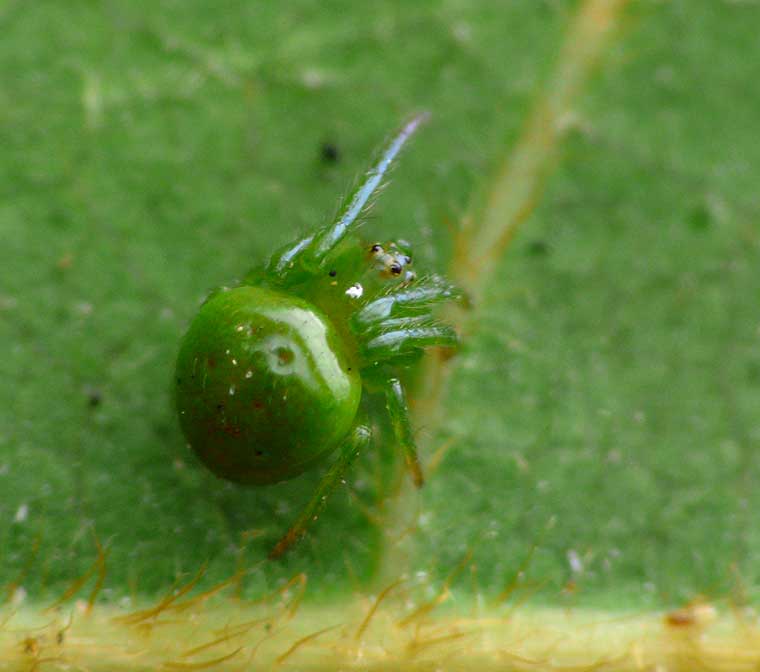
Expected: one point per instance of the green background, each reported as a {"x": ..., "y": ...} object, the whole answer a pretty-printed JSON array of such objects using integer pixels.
[{"x": 605, "y": 408}]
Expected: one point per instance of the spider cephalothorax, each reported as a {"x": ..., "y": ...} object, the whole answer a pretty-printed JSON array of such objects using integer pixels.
[{"x": 270, "y": 374}]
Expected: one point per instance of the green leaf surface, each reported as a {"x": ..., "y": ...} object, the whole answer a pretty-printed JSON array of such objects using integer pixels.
[{"x": 604, "y": 406}]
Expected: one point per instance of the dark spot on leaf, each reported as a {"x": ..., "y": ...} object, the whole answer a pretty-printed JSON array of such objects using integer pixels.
[
  {"x": 538, "y": 248},
  {"x": 329, "y": 152},
  {"x": 333, "y": 273},
  {"x": 94, "y": 397}
]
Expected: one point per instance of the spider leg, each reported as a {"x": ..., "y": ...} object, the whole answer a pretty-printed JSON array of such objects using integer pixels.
[
  {"x": 406, "y": 337},
  {"x": 405, "y": 300},
  {"x": 356, "y": 201},
  {"x": 307, "y": 255},
  {"x": 281, "y": 270},
  {"x": 351, "y": 447},
  {"x": 282, "y": 261},
  {"x": 395, "y": 402}
]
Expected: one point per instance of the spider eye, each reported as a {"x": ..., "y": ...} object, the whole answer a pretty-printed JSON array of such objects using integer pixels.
[
  {"x": 376, "y": 249},
  {"x": 333, "y": 273},
  {"x": 395, "y": 268},
  {"x": 407, "y": 259}
]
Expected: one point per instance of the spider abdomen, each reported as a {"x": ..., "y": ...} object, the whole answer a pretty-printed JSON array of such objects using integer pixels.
[{"x": 264, "y": 385}]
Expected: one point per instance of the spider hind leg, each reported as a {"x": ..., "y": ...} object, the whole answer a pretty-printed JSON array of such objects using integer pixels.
[
  {"x": 398, "y": 411},
  {"x": 357, "y": 441}
]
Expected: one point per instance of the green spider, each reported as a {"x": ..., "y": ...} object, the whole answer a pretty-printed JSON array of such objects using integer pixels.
[{"x": 271, "y": 373}]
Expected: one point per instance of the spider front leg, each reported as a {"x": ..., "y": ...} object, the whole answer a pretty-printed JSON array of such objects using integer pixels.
[
  {"x": 357, "y": 441},
  {"x": 306, "y": 257},
  {"x": 400, "y": 324},
  {"x": 398, "y": 410},
  {"x": 405, "y": 300},
  {"x": 406, "y": 338}
]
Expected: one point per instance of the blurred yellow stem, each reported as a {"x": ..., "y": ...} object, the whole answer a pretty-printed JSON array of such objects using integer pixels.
[{"x": 485, "y": 233}]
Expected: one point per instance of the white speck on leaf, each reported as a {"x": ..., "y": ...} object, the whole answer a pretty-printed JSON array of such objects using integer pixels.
[
  {"x": 462, "y": 32},
  {"x": 92, "y": 99},
  {"x": 313, "y": 78},
  {"x": 576, "y": 564},
  {"x": 19, "y": 595},
  {"x": 22, "y": 513}
]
